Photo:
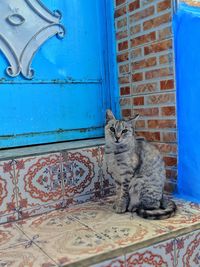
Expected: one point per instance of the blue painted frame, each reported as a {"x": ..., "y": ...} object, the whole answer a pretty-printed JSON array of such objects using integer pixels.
[{"x": 112, "y": 62}]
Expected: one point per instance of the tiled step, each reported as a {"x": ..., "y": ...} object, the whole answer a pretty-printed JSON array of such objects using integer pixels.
[
  {"x": 40, "y": 179},
  {"x": 91, "y": 234}
]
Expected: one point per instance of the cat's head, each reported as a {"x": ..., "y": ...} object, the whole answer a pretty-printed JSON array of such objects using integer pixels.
[{"x": 119, "y": 131}]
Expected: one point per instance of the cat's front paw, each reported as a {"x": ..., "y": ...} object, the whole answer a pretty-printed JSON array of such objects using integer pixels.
[{"x": 120, "y": 206}]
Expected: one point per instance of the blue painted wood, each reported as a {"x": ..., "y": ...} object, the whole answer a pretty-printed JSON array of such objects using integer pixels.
[{"x": 69, "y": 94}]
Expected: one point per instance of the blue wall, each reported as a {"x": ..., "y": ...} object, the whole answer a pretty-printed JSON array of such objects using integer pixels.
[{"x": 187, "y": 48}]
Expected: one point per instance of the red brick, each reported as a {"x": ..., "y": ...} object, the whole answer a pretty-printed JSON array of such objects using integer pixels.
[
  {"x": 142, "y": 14},
  {"x": 171, "y": 174},
  {"x": 143, "y": 39},
  {"x": 161, "y": 98},
  {"x": 147, "y": 87},
  {"x": 158, "y": 47},
  {"x": 121, "y": 35},
  {"x": 126, "y": 112},
  {"x": 147, "y": 2},
  {"x": 125, "y": 101},
  {"x": 170, "y": 186},
  {"x": 166, "y": 59},
  {"x": 120, "y": 2},
  {"x": 153, "y": 23},
  {"x": 161, "y": 124},
  {"x": 169, "y": 137},
  {"x": 125, "y": 90},
  {"x": 150, "y": 136},
  {"x": 135, "y": 29},
  {"x": 134, "y": 5},
  {"x": 166, "y": 4},
  {"x": 170, "y": 161},
  {"x": 167, "y": 148},
  {"x": 123, "y": 80},
  {"x": 152, "y": 74},
  {"x": 145, "y": 63},
  {"x": 121, "y": 23},
  {"x": 147, "y": 111},
  {"x": 165, "y": 33},
  {"x": 167, "y": 85},
  {"x": 123, "y": 46},
  {"x": 137, "y": 77},
  {"x": 124, "y": 68},
  {"x": 122, "y": 57},
  {"x": 138, "y": 101},
  {"x": 168, "y": 111},
  {"x": 136, "y": 53},
  {"x": 120, "y": 12},
  {"x": 140, "y": 124}
]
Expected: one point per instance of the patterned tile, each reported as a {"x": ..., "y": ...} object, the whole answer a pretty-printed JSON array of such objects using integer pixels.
[
  {"x": 64, "y": 238},
  {"x": 39, "y": 184},
  {"x": 8, "y": 202},
  {"x": 187, "y": 215},
  {"x": 122, "y": 229},
  {"x": 116, "y": 262},
  {"x": 108, "y": 183},
  {"x": 17, "y": 250},
  {"x": 161, "y": 254},
  {"x": 81, "y": 172},
  {"x": 188, "y": 250}
]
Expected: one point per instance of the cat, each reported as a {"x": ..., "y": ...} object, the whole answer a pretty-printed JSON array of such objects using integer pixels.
[{"x": 138, "y": 170}]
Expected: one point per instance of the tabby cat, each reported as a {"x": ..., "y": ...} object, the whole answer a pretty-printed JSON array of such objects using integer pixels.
[{"x": 138, "y": 170}]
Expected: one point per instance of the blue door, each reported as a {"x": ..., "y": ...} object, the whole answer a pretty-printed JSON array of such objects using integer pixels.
[{"x": 54, "y": 82}]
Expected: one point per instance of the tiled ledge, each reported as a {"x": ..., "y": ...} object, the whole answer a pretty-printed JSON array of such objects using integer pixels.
[
  {"x": 91, "y": 234},
  {"x": 39, "y": 182},
  {"x": 48, "y": 148}
]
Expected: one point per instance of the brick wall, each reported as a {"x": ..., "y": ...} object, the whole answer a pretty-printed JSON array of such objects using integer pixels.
[{"x": 146, "y": 73}]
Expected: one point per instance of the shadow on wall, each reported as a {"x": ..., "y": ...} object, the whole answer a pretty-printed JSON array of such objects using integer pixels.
[{"x": 187, "y": 39}]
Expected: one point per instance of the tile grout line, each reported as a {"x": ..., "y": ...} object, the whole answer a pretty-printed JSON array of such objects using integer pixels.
[{"x": 33, "y": 242}]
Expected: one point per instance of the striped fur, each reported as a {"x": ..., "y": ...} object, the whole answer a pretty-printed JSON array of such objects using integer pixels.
[{"x": 138, "y": 170}]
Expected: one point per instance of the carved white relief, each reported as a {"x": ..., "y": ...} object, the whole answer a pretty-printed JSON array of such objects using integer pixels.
[{"x": 25, "y": 26}]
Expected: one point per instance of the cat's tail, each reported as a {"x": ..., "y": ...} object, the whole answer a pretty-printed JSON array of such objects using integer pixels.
[{"x": 167, "y": 210}]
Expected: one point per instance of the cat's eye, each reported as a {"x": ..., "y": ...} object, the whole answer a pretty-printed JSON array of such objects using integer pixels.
[
  {"x": 124, "y": 131},
  {"x": 112, "y": 129}
]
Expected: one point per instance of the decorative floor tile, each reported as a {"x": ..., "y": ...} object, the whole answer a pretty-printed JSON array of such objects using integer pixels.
[
  {"x": 184, "y": 217},
  {"x": 63, "y": 238},
  {"x": 158, "y": 255},
  {"x": 188, "y": 250},
  {"x": 8, "y": 201},
  {"x": 17, "y": 250},
  {"x": 117, "y": 262},
  {"x": 81, "y": 172},
  {"x": 91, "y": 232},
  {"x": 39, "y": 183},
  {"x": 122, "y": 229}
]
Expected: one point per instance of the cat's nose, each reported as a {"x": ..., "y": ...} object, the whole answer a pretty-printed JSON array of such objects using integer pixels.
[{"x": 117, "y": 138}]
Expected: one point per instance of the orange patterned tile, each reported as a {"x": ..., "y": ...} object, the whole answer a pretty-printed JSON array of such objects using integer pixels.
[
  {"x": 161, "y": 254},
  {"x": 188, "y": 250},
  {"x": 8, "y": 200},
  {"x": 39, "y": 184},
  {"x": 64, "y": 238}
]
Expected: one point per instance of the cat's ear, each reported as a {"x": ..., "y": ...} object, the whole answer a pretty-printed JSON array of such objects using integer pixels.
[
  {"x": 109, "y": 115},
  {"x": 133, "y": 119}
]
